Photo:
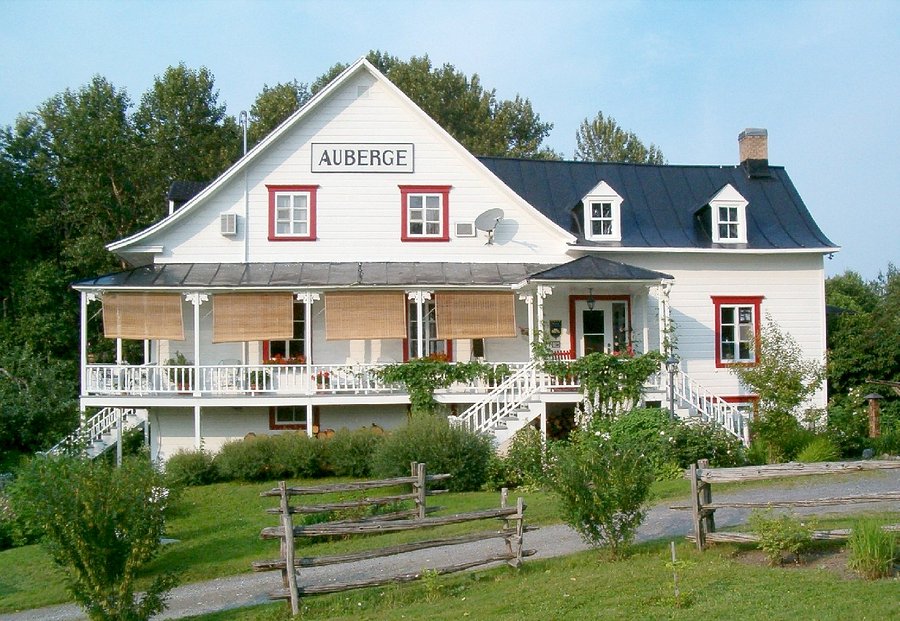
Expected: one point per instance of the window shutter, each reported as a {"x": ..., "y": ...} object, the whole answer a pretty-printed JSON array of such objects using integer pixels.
[
  {"x": 252, "y": 317},
  {"x": 369, "y": 316},
  {"x": 143, "y": 316},
  {"x": 476, "y": 315}
]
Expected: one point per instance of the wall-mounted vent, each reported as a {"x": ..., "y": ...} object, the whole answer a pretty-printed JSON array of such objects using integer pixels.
[
  {"x": 229, "y": 224},
  {"x": 465, "y": 229}
]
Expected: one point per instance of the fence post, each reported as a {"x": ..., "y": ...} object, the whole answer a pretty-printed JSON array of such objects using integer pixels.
[
  {"x": 709, "y": 516},
  {"x": 695, "y": 509},
  {"x": 421, "y": 490},
  {"x": 520, "y": 530},
  {"x": 504, "y": 502},
  {"x": 287, "y": 524}
]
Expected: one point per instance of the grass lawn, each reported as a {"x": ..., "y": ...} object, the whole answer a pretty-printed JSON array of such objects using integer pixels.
[{"x": 715, "y": 585}]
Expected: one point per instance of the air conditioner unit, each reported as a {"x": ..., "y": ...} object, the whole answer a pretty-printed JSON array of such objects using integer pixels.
[
  {"x": 229, "y": 224},
  {"x": 465, "y": 229}
]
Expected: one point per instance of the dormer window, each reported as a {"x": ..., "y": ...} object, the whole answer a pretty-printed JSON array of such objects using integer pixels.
[
  {"x": 728, "y": 210},
  {"x": 602, "y": 214}
]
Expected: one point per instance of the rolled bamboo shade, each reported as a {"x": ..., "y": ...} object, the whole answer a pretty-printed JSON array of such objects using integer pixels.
[
  {"x": 365, "y": 315},
  {"x": 253, "y": 317},
  {"x": 475, "y": 315},
  {"x": 143, "y": 316}
]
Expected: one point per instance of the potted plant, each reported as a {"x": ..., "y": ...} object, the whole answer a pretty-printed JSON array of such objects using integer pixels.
[
  {"x": 260, "y": 379},
  {"x": 179, "y": 376},
  {"x": 323, "y": 379}
]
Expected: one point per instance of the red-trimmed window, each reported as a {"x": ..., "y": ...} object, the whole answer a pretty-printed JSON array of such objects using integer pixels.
[
  {"x": 292, "y": 212},
  {"x": 291, "y": 417},
  {"x": 425, "y": 212},
  {"x": 737, "y": 329}
]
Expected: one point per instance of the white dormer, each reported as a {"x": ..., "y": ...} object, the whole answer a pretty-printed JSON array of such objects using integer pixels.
[
  {"x": 728, "y": 210},
  {"x": 602, "y": 214}
]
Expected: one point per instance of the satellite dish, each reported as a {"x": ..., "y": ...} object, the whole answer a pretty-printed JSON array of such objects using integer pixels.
[{"x": 488, "y": 221}]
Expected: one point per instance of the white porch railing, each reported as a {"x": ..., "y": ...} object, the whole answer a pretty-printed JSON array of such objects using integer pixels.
[
  {"x": 92, "y": 430},
  {"x": 252, "y": 379}
]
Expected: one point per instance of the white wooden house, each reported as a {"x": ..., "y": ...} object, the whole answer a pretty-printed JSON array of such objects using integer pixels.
[{"x": 359, "y": 234}]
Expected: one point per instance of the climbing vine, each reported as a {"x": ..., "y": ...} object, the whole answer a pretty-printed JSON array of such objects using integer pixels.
[
  {"x": 422, "y": 376},
  {"x": 611, "y": 383}
]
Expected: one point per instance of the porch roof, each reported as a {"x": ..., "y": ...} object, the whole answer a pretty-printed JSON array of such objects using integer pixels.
[
  {"x": 594, "y": 268},
  {"x": 294, "y": 275}
]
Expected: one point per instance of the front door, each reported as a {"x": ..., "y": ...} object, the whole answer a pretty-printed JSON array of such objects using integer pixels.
[{"x": 601, "y": 329}]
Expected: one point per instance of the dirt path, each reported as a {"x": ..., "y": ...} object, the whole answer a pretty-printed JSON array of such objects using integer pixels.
[{"x": 549, "y": 541}]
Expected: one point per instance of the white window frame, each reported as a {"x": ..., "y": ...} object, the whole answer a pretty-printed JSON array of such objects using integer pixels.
[
  {"x": 733, "y": 203},
  {"x": 603, "y": 194},
  {"x": 293, "y": 223}
]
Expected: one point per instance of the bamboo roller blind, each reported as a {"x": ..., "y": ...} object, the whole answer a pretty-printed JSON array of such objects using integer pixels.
[
  {"x": 143, "y": 316},
  {"x": 252, "y": 317},
  {"x": 475, "y": 315},
  {"x": 366, "y": 315}
]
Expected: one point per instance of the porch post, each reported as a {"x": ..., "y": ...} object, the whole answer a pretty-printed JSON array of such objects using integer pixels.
[
  {"x": 86, "y": 298},
  {"x": 419, "y": 296},
  {"x": 665, "y": 322},
  {"x": 119, "y": 351},
  {"x": 309, "y": 419},
  {"x": 307, "y": 297},
  {"x": 541, "y": 292},
  {"x": 644, "y": 325},
  {"x": 197, "y": 437},
  {"x": 196, "y": 299},
  {"x": 529, "y": 301}
]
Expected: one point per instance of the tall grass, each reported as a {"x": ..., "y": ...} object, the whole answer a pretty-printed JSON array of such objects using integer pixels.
[{"x": 872, "y": 550}]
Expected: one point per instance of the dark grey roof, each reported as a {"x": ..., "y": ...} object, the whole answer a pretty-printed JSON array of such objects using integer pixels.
[
  {"x": 660, "y": 203},
  {"x": 212, "y": 275},
  {"x": 183, "y": 191},
  {"x": 592, "y": 268}
]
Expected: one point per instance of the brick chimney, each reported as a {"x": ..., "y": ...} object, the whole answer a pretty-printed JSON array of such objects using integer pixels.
[{"x": 754, "y": 151}]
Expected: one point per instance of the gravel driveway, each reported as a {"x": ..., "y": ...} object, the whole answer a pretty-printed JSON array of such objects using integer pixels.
[{"x": 549, "y": 541}]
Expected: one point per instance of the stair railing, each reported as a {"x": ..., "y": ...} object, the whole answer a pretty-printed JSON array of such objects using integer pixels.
[
  {"x": 711, "y": 408},
  {"x": 91, "y": 429},
  {"x": 503, "y": 399}
]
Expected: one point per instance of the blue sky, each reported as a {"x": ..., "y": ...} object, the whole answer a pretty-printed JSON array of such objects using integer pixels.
[{"x": 823, "y": 77}]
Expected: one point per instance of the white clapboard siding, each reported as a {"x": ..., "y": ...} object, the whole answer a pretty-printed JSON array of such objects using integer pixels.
[{"x": 359, "y": 214}]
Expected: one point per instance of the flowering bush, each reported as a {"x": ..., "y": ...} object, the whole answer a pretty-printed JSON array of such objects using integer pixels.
[{"x": 780, "y": 535}]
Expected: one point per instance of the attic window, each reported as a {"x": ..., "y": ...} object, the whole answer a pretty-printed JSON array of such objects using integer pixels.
[
  {"x": 603, "y": 214},
  {"x": 728, "y": 210}
]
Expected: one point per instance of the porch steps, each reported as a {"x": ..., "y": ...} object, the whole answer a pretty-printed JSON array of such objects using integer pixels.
[{"x": 99, "y": 433}]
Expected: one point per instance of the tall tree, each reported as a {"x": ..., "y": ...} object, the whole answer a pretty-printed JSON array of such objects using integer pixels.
[
  {"x": 273, "y": 105},
  {"x": 183, "y": 131},
  {"x": 864, "y": 339},
  {"x": 602, "y": 140},
  {"x": 462, "y": 106}
]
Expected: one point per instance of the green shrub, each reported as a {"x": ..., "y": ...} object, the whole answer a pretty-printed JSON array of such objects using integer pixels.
[
  {"x": 653, "y": 432},
  {"x": 349, "y": 453},
  {"x": 188, "y": 468},
  {"x": 781, "y": 434},
  {"x": 444, "y": 449},
  {"x": 820, "y": 448},
  {"x": 101, "y": 524},
  {"x": 848, "y": 429},
  {"x": 7, "y": 523},
  {"x": 602, "y": 487},
  {"x": 781, "y": 534},
  {"x": 245, "y": 460},
  {"x": 872, "y": 550},
  {"x": 525, "y": 459},
  {"x": 694, "y": 440},
  {"x": 294, "y": 454}
]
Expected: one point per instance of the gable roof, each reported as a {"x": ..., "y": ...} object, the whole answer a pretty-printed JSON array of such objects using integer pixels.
[
  {"x": 660, "y": 202},
  {"x": 125, "y": 245}
]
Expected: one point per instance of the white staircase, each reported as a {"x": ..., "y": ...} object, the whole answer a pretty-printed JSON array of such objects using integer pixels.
[
  {"x": 507, "y": 408},
  {"x": 512, "y": 405},
  {"x": 100, "y": 432},
  {"x": 702, "y": 405}
]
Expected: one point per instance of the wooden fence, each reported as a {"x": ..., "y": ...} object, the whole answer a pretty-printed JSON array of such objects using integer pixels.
[
  {"x": 407, "y": 519},
  {"x": 703, "y": 509}
]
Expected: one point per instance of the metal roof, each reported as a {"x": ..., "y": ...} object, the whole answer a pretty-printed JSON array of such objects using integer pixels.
[
  {"x": 378, "y": 274},
  {"x": 660, "y": 203},
  {"x": 593, "y": 268}
]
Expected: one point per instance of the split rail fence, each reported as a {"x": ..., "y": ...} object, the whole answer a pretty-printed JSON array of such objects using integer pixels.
[
  {"x": 403, "y": 520},
  {"x": 703, "y": 509}
]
